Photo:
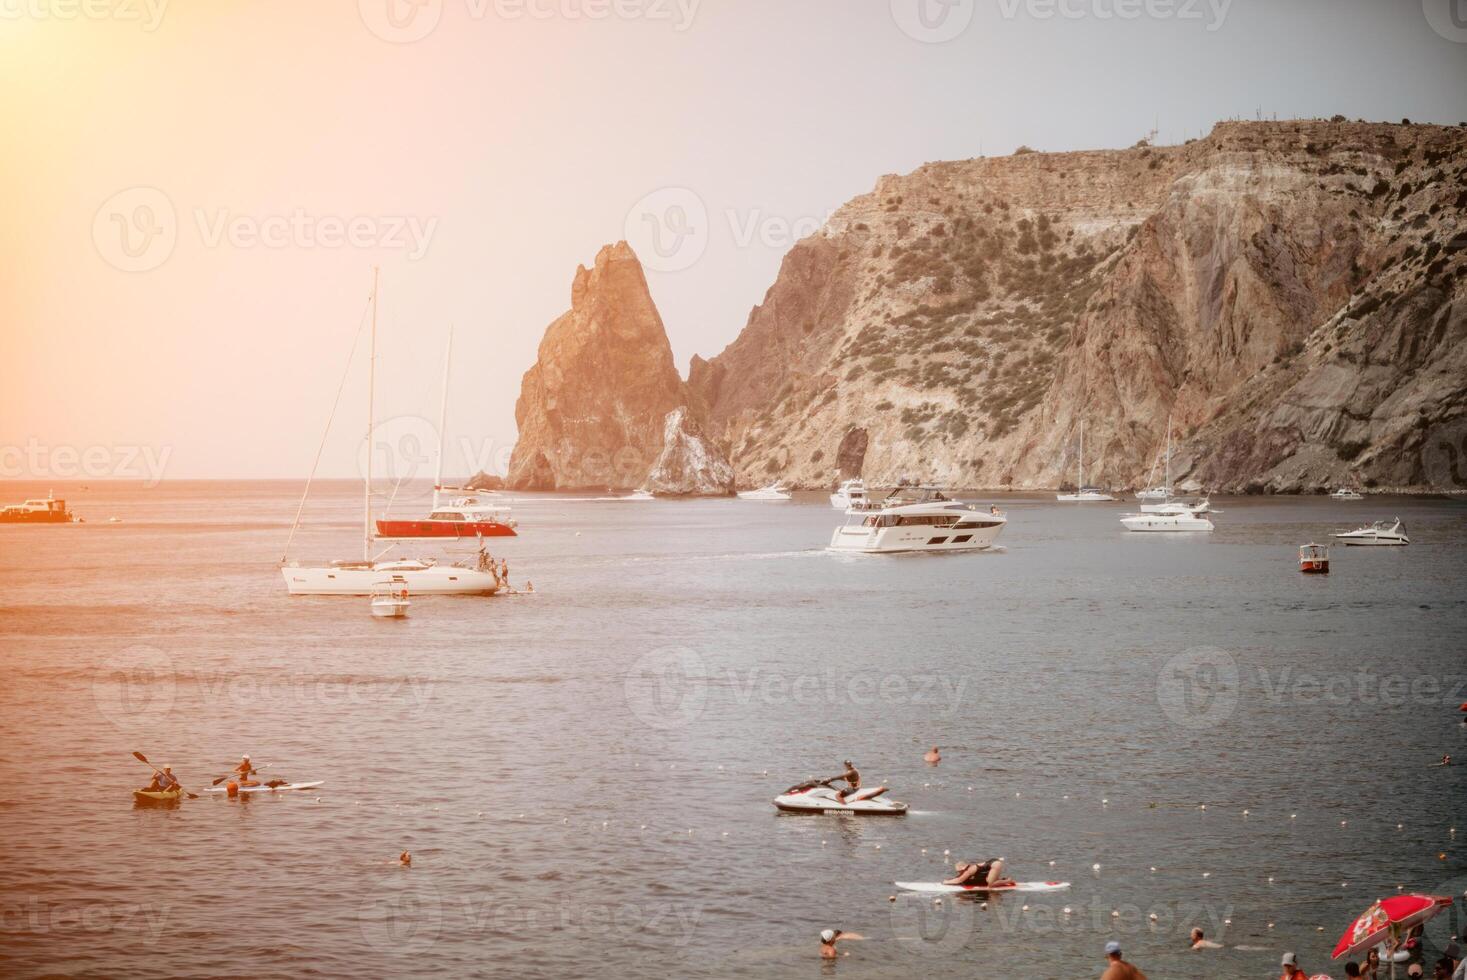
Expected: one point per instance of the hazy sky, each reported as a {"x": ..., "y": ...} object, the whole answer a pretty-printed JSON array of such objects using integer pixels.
[{"x": 194, "y": 194}]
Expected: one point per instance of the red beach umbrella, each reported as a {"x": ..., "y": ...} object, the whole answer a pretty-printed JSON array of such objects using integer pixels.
[{"x": 1386, "y": 918}]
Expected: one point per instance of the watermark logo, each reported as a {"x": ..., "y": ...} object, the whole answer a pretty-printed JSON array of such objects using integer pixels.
[
  {"x": 134, "y": 686},
  {"x": 402, "y": 915},
  {"x": 668, "y": 229},
  {"x": 1448, "y": 18},
  {"x": 932, "y": 21},
  {"x": 80, "y": 921},
  {"x": 1198, "y": 688},
  {"x": 136, "y": 229},
  {"x": 401, "y": 21},
  {"x": 1444, "y": 455},
  {"x": 146, "y": 13},
  {"x": 667, "y": 688},
  {"x": 939, "y": 927},
  {"x": 404, "y": 451},
  {"x": 37, "y": 460}
]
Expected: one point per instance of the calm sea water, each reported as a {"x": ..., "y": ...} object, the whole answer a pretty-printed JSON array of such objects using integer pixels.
[{"x": 583, "y": 774}]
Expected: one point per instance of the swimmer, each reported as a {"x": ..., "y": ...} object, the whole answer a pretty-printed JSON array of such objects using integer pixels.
[
  {"x": 828, "y": 939},
  {"x": 1198, "y": 941},
  {"x": 933, "y": 757}
]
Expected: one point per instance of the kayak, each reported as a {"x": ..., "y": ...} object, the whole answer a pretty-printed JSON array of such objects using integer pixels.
[
  {"x": 938, "y": 888},
  {"x": 262, "y": 788},
  {"x": 156, "y": 795}
]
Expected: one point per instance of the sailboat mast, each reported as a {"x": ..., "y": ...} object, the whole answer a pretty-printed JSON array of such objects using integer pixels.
[
  {"x": 1081, "y": 487},
  {"x": 443, "y": 416},
  {"x": 371, "y": 422}
]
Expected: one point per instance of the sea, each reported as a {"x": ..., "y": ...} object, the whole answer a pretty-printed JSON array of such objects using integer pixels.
[{"x": 1181, "y": 726}]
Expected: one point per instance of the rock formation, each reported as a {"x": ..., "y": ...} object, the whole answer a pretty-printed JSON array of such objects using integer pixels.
[
  {"x": 689, "y": 464},
  {"x": 595, "y": 409},
  {"x": 1290, "y": 295}
]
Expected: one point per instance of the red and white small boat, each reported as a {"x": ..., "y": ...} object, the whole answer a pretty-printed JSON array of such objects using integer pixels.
[
  {"x": 1314, "y": 559},
  {"x": 464, "y": 517}
]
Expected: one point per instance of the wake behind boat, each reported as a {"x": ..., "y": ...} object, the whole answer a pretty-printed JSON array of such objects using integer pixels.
[{"x": 920, "y": 518}]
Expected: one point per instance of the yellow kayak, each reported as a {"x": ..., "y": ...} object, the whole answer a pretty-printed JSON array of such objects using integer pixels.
[{"x": 156, "y": 795}]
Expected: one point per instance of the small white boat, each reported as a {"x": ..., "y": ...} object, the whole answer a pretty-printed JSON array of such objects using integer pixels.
[
  {"x": 390, "y": 600},
  {"x": 772, "y": 492},
  {"x": 1345, "y": 493},
  {"x": 641, "y": 493},
  {"x": 1154, "y": 493},
  {"x": 851, "y": 495},
  {"x": 1177, "y": 521},
  {"x": 1203, "y": 506},
  {"x": 1084, "y": 494},
  {"x": 919, "y": 519},
  {"x": 1379, "y": 533}
]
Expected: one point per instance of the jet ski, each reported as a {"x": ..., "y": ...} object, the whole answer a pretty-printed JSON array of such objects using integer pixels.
[{"x": 816, "y": 796}]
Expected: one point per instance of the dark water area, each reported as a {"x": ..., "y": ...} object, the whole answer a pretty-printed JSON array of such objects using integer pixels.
[{"x": 583, "y": 774}]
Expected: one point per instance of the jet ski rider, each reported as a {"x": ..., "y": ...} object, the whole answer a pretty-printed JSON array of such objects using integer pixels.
[{"x": 853, "y": 780}]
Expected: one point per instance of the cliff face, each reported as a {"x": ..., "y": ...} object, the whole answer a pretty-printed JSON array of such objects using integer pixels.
[
  {"x": 1290, "y": 295},
  {"x": 594, "y": 410}
]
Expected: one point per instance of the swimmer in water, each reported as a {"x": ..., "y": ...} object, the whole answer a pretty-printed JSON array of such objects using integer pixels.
[
  {"x": 1199, "y": 942},
  {"x": 405, "y": 859},
  {"x": 933, "y": 757},
  {"x": 828, "y": 939}
]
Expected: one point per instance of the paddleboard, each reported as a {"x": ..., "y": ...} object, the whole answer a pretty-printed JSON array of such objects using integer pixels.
[
  {"x": 938, "y": 888},
  {"x": 267, "y": 789}
]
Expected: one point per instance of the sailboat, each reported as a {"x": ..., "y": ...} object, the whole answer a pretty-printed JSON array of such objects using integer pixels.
[
  {"x": 1084, "y": 494},
  {"x": 422, "y": 576},
  {"x": 1163, "y": 492},
  {"x": 466, "y": 517}
]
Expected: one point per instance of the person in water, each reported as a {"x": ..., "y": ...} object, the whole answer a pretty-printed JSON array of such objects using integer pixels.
[
  {"x": 828, "y": 939},
  {"x": 853, "y": 782},
  {"x": 1198, "y": 941},
  {"x": 933, "y": 757},
  {"x": 973, "y": 874},
  {"x": 1117, "y": 968}
]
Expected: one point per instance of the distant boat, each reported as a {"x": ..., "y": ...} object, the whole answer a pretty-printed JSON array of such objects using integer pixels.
[
  {"x": 851, "y": 494},
  {"x": 1379, "y": 533},
  {"x": 1084, "y": 494},
  {"x": 390, "y": 600},
  {"x": 1163, "y": 492},
  {"x": 772, "y": 492},
  {"x": 641, "y": 493},
  {"x": 1314, "y": 559},
  {"x": 1177, "y": 521},
  {"x": 1345, "y": 493},
  {"x": 40, "y": 510}
]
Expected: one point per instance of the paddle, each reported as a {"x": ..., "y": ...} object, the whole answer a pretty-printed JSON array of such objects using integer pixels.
[
  {"x": 144, "y": 759},
  {"x": 234, "y": 774}
]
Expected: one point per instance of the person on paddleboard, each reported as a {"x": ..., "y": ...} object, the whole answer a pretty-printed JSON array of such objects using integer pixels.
[
  {"x": 245, "y": 770},
  {"x": 853, "y": 782},
  {"x": 979, "y": 873},
  {"x": 828, "y": 939}
]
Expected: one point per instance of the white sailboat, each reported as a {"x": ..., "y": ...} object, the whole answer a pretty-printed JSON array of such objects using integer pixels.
[
  {"x": 1083, "y": 494},
  {"x": 423, "y": 576},
  {"x": 1163, "y": 492}
]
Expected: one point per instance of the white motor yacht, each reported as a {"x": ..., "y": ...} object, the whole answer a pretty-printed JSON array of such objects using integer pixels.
[
  {"x": 1203, "y": 506},
  {"x": 1154, "y": 493},
  {"x": 1379, "y": 533},
  {"x": 772, "y": 492},
  {"x": 1183, "y": 520},
  {"x": 919, "y": 519},
  {"x": 852, "y": 495},
  {"x": 1346, "y": 493}
]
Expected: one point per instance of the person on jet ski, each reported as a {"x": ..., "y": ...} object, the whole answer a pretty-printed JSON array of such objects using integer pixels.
[
  {"x": 853, "y": 781},
  {"x": 979, "y": 873}
]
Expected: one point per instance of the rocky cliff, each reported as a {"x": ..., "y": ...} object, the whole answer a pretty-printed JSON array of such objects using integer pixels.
[
  {"x": 1290, "y": 295},
  {"x": 603, "y": 402}
]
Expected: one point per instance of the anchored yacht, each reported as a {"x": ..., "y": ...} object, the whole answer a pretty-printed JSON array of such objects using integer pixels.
[
  {"x": 772, "y": 492},
  {"x": 919, "y": 519},
  {"x": 1347, "y": 493},
  {"x": 1182, "y": 520},
  {"x": 1084, "y": 494},
  {"x": 852, "y": 495},
  {"x": 1379, "y": 533}
]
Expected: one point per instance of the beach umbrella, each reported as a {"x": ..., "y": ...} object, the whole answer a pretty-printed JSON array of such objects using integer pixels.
[{"x": 1388, "y": 918}]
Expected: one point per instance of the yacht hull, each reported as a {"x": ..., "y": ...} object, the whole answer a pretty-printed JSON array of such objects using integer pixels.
[
  {"x": 357, "y": 580},
  {"x": 891, "y": 540},
  {"x": 1166, "y": 522}
]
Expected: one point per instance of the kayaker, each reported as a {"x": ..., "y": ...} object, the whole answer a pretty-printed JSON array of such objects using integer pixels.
[
  {"x": 165, "y": 779},
  {"x": 972, "y": 873},
  {"x": 853, "y": 782}
]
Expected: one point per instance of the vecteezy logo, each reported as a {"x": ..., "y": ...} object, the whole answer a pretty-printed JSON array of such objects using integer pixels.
[
  {"x": 1198, "y": 688},
  {"x": 402, "y": 914},
  {"x": 401, "y": 21},
  {"x": 1447, "y": 17},
  {"x": 668, "y": 229},
  {"x": 133, "y": 687},
  {"x": 403, "y": 450},
  {"x": 1444, "y": 455},
  {"x": 938, "y": 930},
  {"x": 667, "y": 688},
  {"x": 135, "y": 230},
  {"x": 932, "y": 21}
]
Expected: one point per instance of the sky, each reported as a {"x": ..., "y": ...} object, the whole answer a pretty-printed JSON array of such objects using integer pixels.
[{"x": 195, "y": 195}]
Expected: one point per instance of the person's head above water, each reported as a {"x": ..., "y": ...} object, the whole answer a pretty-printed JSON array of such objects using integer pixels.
[
  {"x": 827, "y": 935},
  {"x": 1196, "y": 934},
  {"x": 1113, "y": 949}
]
